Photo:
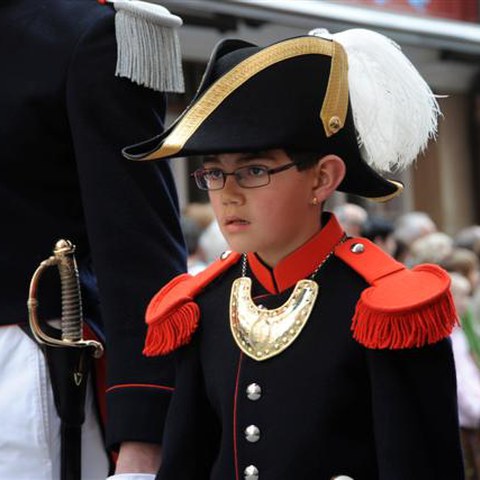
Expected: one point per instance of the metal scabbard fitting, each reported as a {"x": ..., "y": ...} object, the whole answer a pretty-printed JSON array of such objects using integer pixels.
[{"x": 71, "y": 322}]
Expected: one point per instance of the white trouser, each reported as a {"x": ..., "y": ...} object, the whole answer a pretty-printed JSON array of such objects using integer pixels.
[{"x": 29, "y": 424}]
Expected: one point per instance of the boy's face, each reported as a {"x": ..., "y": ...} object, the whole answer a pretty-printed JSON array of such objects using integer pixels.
[{"x": 272, "y": 220}]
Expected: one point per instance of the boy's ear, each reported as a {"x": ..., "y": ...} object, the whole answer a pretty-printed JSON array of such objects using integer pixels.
[{"x": 330, "y": 171}]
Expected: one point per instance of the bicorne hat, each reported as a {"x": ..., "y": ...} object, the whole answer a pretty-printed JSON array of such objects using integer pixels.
[{"x": 326, "y": 94}]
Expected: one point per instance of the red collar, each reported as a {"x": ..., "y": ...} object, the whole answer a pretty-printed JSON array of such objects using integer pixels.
[{"x": 300, "y": 263}]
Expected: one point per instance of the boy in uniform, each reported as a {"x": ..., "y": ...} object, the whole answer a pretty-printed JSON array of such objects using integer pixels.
[{"x": 304, "y": 354}]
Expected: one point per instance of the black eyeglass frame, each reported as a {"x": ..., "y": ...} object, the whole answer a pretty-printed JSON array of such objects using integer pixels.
[{"x": 270, "y": 171}]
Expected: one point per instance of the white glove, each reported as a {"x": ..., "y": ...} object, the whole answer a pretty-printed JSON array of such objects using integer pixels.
[{"x": 132, "y": 476}]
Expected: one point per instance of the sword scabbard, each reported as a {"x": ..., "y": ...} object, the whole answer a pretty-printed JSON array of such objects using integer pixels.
[{"x": 68, "y": 355}]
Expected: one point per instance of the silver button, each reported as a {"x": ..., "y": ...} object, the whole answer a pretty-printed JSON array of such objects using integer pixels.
[
  {"x": 254, "y": 391},
  {"x": 251, "y": 473},
  {"x": 342, "y": 477},
  {"x": 252, "y": 434},
  {"x": 357, "y": 248},
  {"x": 225, "y": 254}
]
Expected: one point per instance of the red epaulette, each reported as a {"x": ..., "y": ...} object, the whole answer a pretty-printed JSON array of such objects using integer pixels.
[
  {"x": 172, "y": 315},
  {"x": 402, "y": 308}
]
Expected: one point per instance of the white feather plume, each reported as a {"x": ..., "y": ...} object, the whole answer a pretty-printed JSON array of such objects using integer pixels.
[{"x": 395, "y": 112}]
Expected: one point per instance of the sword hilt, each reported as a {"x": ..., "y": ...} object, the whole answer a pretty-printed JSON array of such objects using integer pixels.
[
  {"x": 71, "y": 296},
  {"x": 71, "y": 322}
]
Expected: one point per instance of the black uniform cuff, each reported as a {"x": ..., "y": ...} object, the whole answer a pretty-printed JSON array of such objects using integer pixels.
[{"x": 136, "y": 414}]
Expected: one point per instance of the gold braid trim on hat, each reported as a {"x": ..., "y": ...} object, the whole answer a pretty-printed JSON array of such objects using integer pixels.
[
  {"x": 334, "y": 107},
  {"x": 399, "y": 189},
  {"x": 335, "y": 104}
]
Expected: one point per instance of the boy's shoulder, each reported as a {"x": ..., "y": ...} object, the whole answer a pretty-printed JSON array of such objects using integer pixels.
[
  {"x": 401, "y": 308},
  {"x": 172, "y": 315}
]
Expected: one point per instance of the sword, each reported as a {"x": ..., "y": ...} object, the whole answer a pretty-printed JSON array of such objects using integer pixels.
[{"x": 68, "y": 355}]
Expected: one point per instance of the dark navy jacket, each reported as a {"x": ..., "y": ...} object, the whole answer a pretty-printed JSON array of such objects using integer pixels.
[
  {"x": 64, "y": 118},
  {"x": 328, "y": 405}
]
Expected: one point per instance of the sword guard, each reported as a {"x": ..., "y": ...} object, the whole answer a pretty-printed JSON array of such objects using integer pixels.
[{"x": 63, "y": 257}]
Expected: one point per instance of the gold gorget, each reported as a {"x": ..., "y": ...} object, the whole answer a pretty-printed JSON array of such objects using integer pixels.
[{"x": 261, "y": 333}]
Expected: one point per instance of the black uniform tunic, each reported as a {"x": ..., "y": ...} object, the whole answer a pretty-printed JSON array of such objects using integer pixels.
[
  {"x": 64, "y": 118},
  {"x": 327, "y": 406}
]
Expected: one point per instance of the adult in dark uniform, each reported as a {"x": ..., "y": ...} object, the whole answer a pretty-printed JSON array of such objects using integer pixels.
[
  {"x": 64, "y": 118},
  {"x": 307, "y": 354}
]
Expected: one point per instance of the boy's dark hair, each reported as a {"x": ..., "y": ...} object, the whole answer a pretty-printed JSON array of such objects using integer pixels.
[
  {"x": 461, "y": 260},
  {"x": 304, "y": 160}
]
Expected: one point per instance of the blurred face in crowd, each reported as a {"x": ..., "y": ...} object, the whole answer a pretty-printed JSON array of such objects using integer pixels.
[
  {"x": 387, "y": 244},
  {"x": 460, "y": 288}
]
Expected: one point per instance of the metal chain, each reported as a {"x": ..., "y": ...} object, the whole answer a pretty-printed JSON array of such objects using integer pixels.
[
  {"x": 244, "y": 265},
  {"x": 312, "y": 276}
]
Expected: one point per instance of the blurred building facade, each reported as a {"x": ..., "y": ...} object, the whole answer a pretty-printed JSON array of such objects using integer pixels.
[{"x": 441, "y": 38}]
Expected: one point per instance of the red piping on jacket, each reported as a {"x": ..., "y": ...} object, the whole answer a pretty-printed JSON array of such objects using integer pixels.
[
  {"x": 139, "y": 385},
  {"x": 235, "y": 452}
]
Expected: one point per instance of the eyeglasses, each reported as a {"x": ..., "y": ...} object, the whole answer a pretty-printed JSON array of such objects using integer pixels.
[{"x": 250, "y": 176}]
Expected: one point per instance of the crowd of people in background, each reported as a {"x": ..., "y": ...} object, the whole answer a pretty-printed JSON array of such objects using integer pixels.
[
  {"x": 412, "y": 238},
  {"x": 202, "y": 235}
]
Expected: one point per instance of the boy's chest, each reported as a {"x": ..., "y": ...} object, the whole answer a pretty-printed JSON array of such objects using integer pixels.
[
  {"x": 322, "y": 366},
  {"x": 295, "y": 414}
]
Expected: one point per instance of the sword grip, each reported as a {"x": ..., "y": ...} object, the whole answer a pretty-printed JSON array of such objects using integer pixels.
[{"x": 71, "y": 322}]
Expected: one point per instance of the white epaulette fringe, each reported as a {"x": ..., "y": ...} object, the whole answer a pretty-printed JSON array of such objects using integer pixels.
[{"x": 148, "y": 46}]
